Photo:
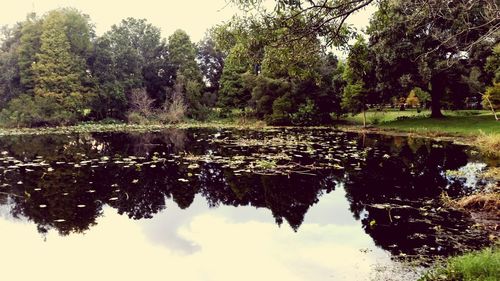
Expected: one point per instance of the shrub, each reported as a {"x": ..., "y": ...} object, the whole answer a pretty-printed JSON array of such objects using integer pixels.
[
  {"x": 306, "y": 115},
  {"x": 282, "y": 107},
  {"x": 46, "y": 110},
  {"x": 134, "y": 117},
  {"x": 412, "y": 99},
  {"x": 141, "y": 103},
  {"x": 174, "y": 110},
  {"x": 492, "y": 97},
  {"x": 489, "y": 144}
]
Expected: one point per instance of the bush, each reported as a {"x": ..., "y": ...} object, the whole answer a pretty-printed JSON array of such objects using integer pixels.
[
  {"x": 492, "y": 97},
  {"x": 141, "y": 103},
  {"x": 266, "y": 92},
  {"x": 375, "y": 120},
  {"x": 306, "y": 115},
  {"x": 173, "y": 111},
  {"x": 489, "y": 144},
  {"x": 134, "y": 117},
  {"x": 282, "y": 108},
  {"x": 47, "y": 110}
]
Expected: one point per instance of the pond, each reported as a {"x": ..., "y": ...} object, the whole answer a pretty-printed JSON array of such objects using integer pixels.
[{"x": 208, "y": 204}]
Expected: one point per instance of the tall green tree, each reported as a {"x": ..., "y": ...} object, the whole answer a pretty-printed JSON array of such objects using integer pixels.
[
  {"x": 130, "y": 55},
  {"x": 235, "y": 91},
  {"x": 424, "y": 43},
  {"x": 491, "y": 98},
  {"x": 57, "y": 71},
  {"x": 211, "y": 62},
  {"x": 183, "y": 55},
  {"x": 10, "y": 80},
  {"x": 29, "y": 46},
  {"x": 356, "y": 92}
]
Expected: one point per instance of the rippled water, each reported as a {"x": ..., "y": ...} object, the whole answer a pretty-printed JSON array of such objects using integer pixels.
[{"x": 225, "y": 205}]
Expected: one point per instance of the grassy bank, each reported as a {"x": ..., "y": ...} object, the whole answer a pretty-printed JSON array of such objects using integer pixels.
[
  {"x": 482, "y": 265},
  {"x": 473, "y": 127},
  {"x": 463, "y": 122}
]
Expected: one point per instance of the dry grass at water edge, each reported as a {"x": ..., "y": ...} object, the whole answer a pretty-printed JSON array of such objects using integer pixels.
[{"x": 489, "y": 144}]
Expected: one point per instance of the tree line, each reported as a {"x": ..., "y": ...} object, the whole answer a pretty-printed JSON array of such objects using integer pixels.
[{"x": 277, "y": 67}]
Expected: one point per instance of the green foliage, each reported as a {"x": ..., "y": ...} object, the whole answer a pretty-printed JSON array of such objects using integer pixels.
[
  {"x": 131, "y": 55},
  {"x": 211, "y": 62},
  {"x": 57, "y": 71},
  {"x": 353, "y": 98},
  {"x": 236, "y": 80},
  {"x": 422, "y": 96},
  {"x": 306, "y": 115},
  {"x": 135, "y": 117},
  {"x": 297, "y": 61},
  {"x": 355, "y": 93},
  {"x": 183, "y": 55},
  {"x": 492, "y": 65},
  {"x": 482, "y": 265},
  {"x": 29, "y": 46},
  {"x": 282, "y": 109},
  {"x": 411, "y": 52},
  {"x": 47, "y": 110},
  {"x": 10, "y": 84},
  {"x": 265, "y": 92},
  {"x": 492, "y": 97},
  {"x": 48, "y": 62},
  {"x": 412, "y": 99}
]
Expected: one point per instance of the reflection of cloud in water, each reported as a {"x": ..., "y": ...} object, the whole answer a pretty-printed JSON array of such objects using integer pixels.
[
  {"x": 332, "y": 208},
  {"x": 5, "y": 212},
  {"x": 200, "y": 244},
  {"x": 167, "y": 227},
  {"x": 164, "y": 227}
]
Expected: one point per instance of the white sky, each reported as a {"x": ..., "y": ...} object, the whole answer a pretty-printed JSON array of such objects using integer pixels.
[{"x": 193, "y": 16}]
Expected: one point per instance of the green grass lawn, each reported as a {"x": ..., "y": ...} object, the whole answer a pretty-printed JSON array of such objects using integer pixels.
[{"x": 462, "y": 122}]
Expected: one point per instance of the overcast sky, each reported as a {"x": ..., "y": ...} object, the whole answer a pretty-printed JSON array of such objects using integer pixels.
[{"x": 193, "y": 16}]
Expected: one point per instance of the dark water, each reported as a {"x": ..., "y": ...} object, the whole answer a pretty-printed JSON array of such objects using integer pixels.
[{"x": 230, "y": 205}]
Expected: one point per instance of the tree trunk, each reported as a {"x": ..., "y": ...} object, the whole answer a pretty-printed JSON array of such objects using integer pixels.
[
  {"x": 438, "y": 84},
  {"x": 492, "y": 108},
  {"x": 364, "y": 118}
]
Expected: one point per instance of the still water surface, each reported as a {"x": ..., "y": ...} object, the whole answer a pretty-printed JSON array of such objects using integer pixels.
[{"x": 226, "y": 205}]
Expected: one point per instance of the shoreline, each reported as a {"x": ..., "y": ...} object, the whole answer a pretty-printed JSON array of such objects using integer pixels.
[{"x": 125, "y": 127}]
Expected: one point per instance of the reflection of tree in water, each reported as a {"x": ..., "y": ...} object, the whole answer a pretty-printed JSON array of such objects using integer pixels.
[
  {"x": 288, "y": 197},
  {"x": 393, "y": 190},
  {"x": 398, "y": 196}
]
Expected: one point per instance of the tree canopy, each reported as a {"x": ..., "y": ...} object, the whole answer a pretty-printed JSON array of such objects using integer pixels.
[{"x": 272, "y": 64}]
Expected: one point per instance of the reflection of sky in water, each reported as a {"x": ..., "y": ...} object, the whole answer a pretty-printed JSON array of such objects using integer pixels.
[{"x": 224, "y": 243}]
